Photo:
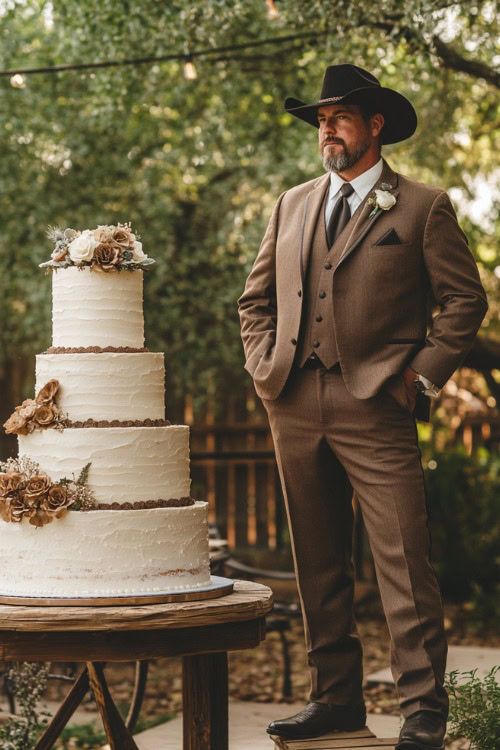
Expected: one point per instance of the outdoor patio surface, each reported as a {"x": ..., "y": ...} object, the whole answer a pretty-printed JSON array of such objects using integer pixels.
[
  {"x": 463, "y": 658},
  {"x": 247, "y": 727}
]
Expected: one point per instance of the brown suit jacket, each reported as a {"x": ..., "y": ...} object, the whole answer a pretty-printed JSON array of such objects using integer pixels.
[{"x": 381, "y": 292}]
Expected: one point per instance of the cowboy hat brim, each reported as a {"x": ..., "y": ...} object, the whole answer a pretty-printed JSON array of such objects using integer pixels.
[{"x": 400, "y": 118}]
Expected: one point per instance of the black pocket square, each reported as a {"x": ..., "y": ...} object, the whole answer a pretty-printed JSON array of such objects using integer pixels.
[{"x": 389, "y": 238}]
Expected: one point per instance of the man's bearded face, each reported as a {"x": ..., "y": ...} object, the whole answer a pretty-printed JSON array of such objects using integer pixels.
[{"x": 344, "y": 136}]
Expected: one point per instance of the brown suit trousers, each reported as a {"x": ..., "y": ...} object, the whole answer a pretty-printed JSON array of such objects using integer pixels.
[{"x": 327, "y": 443}]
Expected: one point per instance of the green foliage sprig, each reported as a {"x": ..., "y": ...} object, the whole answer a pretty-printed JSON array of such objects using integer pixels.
[
  {"x": 28, "y": 681},
  {"x": 84, "y": 475},
  {"x": 475, "y": 708}
]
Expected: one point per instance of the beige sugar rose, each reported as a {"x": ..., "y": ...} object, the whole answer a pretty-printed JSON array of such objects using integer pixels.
[
  {"x": 27, "y": 408},
  {"x": 45, "y": 415},
  {"x": 13, "y": 509},
  {"x": 16, "y": 425},
  {"x": 107, "y": 256},
  {"x": 124, "y": 238},
  {"x": 36, "y": 487},
  {"x": 56, "y": 501},
  {"x": 9, "y": 482},
  {"x": 47, "y": 394},
  {"x": 103, "y": 234}
]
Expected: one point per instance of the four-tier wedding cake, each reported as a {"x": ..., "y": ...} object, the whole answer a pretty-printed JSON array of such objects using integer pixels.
[{"x": 98, "y": 502}]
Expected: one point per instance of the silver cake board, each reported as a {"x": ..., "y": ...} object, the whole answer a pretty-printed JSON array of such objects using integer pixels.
[{"x": 219, "y": 586}]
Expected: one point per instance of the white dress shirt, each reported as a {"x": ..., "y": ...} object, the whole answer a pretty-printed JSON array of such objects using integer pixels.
[{"x": 362, "y": 185}]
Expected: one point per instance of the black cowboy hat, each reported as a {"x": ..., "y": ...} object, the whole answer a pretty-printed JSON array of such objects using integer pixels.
[{"x": 349, "y": 84}]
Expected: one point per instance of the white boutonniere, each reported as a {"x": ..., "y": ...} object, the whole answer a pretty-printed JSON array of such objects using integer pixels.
[{"x": 381, "y": 199}]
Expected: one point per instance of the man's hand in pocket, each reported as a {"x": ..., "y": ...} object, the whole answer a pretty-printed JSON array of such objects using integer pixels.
[{"x": 409, "y": 377}]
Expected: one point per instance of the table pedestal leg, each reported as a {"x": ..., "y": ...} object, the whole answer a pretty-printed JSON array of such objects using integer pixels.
[
  {"x": 65, "y": 712},
  {"x": 204, "y": 701},
  {"x": 119, "y": 737}
]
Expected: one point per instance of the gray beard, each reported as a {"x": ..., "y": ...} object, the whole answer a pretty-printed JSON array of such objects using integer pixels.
[{"x": 339, "y": 162}]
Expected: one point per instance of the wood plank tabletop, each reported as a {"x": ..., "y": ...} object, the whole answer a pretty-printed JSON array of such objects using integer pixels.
[{"x": 248, "y": 601}]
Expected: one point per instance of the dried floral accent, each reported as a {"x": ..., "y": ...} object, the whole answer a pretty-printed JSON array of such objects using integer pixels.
[
  {"x": 13, "y": 509},
  {"x": 47, "y": 394},
  {"x": 107, "y": 257},
  {"x": 123, "y": 237},
  {"x": 27, "y": 492},
  {"x": 106, "y": 248},
  {"x": 46, "y": 416},
  {"x": 57, "y": 501},
  {"x": 36, "y": 487},
  {"x": 41, "y": 412},
  {"x": 15, "y": 425},
  {"x": 28, "y": 408},
  {"x": 83, "y": 498},
  {"x": 10, "y": 481}
]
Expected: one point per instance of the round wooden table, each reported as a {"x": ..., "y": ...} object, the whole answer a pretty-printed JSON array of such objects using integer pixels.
[{"x": 202, "y": 632}]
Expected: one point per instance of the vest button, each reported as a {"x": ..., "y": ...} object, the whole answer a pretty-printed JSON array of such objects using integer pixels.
[
  {"x": 328, "y": 266},
  {"x": 315, "y": 343},
  {"x": 294, "y": 341},
  {"x": 322, "y": 295},
  {"x": 299, "y": 293},
  {"x": 319, "y": 318}
]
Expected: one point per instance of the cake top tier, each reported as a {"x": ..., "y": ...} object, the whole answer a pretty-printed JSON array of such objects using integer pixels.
[
  {"x": 106, "y": 248},
  {"x": 92, "y": 309}
]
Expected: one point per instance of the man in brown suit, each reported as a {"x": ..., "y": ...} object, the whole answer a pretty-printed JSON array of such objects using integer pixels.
[{"x": 334, "y": 327}]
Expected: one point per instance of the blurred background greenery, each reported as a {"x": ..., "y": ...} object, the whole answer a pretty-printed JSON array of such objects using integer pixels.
[{"x": 195, "y": 155}]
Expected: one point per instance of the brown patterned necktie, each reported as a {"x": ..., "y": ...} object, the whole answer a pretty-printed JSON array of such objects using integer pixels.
[{"x": 340, "y": 215}]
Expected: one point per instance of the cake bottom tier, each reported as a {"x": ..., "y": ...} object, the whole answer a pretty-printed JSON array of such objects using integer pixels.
[{"x": 107, "y": 553}]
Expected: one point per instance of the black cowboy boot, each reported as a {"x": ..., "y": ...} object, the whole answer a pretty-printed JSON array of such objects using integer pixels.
[
  {"x": 423, "y": 730},
  {"x": 317, "y": 719}
]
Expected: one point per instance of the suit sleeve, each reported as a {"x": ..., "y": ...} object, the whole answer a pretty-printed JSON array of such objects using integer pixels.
[
  {"x": 457, "y": 289},
  {"x": 257, "y": 306}
]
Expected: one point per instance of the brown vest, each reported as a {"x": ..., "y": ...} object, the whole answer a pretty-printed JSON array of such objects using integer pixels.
[{"x": 317, "y": 330}]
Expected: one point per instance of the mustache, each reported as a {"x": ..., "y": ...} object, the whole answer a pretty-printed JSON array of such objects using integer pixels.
[{"x": 331, "y": 140}]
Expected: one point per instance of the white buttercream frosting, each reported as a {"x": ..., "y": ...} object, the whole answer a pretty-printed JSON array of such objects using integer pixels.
[
  {"x": 128, "y": 464},
  {"x": 97, "y": 309},
  {"x": 106, "y": 386},
  {"x": 107, "y": 553}
]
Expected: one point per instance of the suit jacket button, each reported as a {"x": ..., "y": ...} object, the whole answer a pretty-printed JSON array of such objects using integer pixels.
[
  {"x": 315, "y": 343},
  {"x": 322, "y": 295},
  {"x": 328, "y": 266},
  {"x": 319, "y": 318},
  {"x": 294, "y": 341},
  {"x": 299, "y": 293}
]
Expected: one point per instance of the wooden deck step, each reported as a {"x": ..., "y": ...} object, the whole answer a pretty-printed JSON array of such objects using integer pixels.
[{"x": 362, "y": 739}]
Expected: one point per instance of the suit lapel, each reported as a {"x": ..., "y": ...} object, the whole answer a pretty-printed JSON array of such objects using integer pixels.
[
  {"x": 363, "y": 223},
  {"x": 312, "y": 205},
  {"x": 355, "y": 229}
]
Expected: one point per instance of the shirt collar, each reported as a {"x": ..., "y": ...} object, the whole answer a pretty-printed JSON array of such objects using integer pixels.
[{"x": 362, "y": 184}]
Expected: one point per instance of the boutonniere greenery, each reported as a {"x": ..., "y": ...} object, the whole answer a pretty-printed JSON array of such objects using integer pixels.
[{"x": 381, "y": 199}]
